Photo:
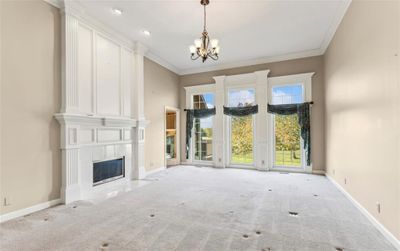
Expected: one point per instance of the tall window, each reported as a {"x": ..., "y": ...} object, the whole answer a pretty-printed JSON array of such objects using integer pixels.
[
  {"x": 203, "y": 128},
  {"x": 241, "y": 127},
  {"x": 287, "y": 147}
]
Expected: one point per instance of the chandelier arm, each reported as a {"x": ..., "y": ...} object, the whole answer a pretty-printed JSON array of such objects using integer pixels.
[
  {"x": 193, "y": 57},
  {"x": 213, "y": 56}
]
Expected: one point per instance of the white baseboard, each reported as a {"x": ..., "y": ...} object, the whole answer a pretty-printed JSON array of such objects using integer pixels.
[
  {"x": 389, "y": 236},
  {"x": 155, "y": 171},
  {"x": 29, "y": 210}
]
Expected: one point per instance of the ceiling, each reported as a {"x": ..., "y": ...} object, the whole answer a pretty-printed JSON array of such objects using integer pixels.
[{"x": 249, "y": 31}]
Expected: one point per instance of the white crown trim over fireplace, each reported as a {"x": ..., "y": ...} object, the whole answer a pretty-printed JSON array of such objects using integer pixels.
[{"x": 102, "y": 113}]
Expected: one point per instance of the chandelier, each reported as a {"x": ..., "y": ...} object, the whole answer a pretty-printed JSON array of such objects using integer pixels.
[{"x": 201, "y": 49}]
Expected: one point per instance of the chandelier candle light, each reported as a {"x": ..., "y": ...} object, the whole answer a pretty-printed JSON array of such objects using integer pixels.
[{"x": 200, "y": 47}]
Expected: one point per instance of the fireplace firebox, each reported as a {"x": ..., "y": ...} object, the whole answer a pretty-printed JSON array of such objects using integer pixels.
[{"x": 108, "y": 170}]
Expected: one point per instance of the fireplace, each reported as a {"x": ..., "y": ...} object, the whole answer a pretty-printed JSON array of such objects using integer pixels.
[
  {"x": 101, "y": 119},
  {"x": 108, "y": 170}
]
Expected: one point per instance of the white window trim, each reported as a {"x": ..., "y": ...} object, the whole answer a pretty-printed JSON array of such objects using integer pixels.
[
  {"x": 259, "y": 81},
  {"x": 305, "y": 79}
]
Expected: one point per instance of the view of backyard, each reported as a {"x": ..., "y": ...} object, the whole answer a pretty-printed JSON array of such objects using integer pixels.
[
  {"x": 242, "y": 140},
  {"x": 287, "y": 141}
]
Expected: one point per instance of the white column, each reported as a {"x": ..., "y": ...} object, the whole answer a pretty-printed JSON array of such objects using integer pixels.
[
  {"x": 261, "y": 123},
  {"x": 219, "y": 123},
  {"x": 70, "y": 189},
  {"x": 138, "y": 155},
  {"x": 69, "y": 57}
]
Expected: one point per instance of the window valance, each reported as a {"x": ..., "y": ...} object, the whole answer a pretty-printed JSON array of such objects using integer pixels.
[{"x": 241, "y": 111}]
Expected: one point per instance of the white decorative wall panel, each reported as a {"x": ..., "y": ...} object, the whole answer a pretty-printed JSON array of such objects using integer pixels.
[
  {"x": 70, "y": 56},
  {"x": 85, "y": 69},
  {"x": 108, "y": 135},
  {"x": 86, "y": 136},
  {"x": 71, "y": 161},
  {"x": 108, "y": 77},
  {"x": 72, "y": 136},
  {"x": 126, "y": 75},
  {"x": 127, "y": 134}
]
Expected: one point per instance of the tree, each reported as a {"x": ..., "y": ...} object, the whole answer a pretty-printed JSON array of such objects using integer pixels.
[
  {"x": 287, "y": 133},
  {"x": 242, "y": 135}
]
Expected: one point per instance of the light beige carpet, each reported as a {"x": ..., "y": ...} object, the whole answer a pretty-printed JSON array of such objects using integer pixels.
[{"x": 190, "y": 208}]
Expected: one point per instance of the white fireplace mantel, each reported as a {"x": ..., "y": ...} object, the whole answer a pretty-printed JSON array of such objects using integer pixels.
[
  {"x": 102, "y": 112},
  {"x": 65, "y": 118}
]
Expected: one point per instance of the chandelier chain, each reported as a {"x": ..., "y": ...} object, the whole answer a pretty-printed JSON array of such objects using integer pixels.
[{"x": 205, "y": 18}]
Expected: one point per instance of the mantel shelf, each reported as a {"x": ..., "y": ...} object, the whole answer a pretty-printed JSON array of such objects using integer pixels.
[{"x": 80, "y": 119}]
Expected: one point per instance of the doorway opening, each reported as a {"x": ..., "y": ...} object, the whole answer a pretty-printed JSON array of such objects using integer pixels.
[{"x": 172, "y": 157}]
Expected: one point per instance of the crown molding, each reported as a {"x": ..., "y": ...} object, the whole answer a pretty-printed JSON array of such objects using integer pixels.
[
  {"x": 55, "y": 3},
  {"x": 140, "y": 48},
  {"x": 340, "y": 12},
  {"x": 265, "y": 60},
  {"x": 153, "y": 57}
]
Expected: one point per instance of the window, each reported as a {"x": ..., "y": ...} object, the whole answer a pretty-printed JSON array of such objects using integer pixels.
[
  {"x": 241, "y": 136},
  {"x": 203, "y": 129},
  {"x": 287, "y": 147}
]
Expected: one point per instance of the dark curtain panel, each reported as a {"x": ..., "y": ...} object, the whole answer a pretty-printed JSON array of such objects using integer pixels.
[
  {"x": 303, "y": 112},
  {"x": 191, "y": 114},
  {"x": 241, "y": 111}
]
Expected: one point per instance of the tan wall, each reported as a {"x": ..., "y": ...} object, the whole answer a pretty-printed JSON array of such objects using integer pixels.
[
  {"x": 362, "y": 108},
  {"x": 30, "y": 95},
  {"x": 311, "y": 64},
  {"x": 161, "y": 88}
]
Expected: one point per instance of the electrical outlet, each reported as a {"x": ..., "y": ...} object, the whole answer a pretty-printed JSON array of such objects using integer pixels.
[
  {"x": 6, "y": 202},
  {"x": 263, "y": 162},
  {"x": 345, "y": 181},
  {"x": 378, "y": 207}
]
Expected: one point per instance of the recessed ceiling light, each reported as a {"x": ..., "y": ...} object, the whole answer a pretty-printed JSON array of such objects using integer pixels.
[
  {"x": 116, "y": 11},
  {"x": 146, "y": 32}
]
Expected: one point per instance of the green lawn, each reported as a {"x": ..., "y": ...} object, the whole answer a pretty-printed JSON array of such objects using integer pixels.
[
  {"x": 282, "y": 158},
  {"x": 242, "y": 158},
  {"x": 285, "y": 158}
]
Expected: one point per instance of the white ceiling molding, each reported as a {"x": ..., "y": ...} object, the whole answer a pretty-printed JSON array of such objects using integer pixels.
[
  {"x": 265, "y": 60},
  {"x": 55, "y": 3},
  {"x": 342, "y": 9},
  {"x": 162, "y": 62}
]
